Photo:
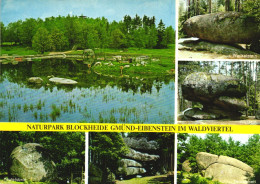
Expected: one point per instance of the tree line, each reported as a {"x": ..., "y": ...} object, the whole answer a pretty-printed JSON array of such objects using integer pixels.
[
  {"x": 247, "y": 72},
  {"x": 61, "y": 33},
  {"x": 190, "y": 145}
]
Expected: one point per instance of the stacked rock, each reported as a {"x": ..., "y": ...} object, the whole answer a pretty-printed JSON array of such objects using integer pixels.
[
  {"x": 224, "y": 169},
  {"x": 138, "y": 160},
  {"x": 221, "y": 96}
]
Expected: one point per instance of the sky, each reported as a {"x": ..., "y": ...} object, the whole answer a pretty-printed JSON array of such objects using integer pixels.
[
  {"x": 13, "y": 10},
  {"x": 242, "y": 138}
]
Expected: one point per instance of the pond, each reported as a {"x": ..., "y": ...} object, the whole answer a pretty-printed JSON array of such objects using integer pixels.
[{"x": 96, "y": 98}]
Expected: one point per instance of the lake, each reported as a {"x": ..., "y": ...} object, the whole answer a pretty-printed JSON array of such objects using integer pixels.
[{"x": 96, "y": 98}]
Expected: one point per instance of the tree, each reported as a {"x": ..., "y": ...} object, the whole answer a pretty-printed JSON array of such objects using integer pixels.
[
  {"x": 139, "y": 38},
  {"x": 161, "y": 42},
  {"x": 27, "y": 31},
  {"x": 117, "y": 39},
  {"x": 169, "y": 35},
  {"x": 58, "y": 40},
  {"x": 41, "y": 40},
  {"x": 2, "y": 30}
]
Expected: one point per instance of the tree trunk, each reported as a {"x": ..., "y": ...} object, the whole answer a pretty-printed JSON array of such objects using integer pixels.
[
  {"x": 188, "y": 8},
  {"x": 255, "y": 106},
  {"x": 209, "y": 4}
]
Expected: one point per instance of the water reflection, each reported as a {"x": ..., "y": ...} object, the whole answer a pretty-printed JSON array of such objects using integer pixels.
[{"x": 96, "y": 98}]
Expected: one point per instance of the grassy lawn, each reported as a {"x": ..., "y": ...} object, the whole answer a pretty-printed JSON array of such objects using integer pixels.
[
  {"x": 148, "y": 180},
  {"x": 17, "y": 50}
]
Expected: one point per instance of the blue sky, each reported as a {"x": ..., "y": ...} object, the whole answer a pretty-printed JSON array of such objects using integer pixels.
[{"x": 13, "y": 10}]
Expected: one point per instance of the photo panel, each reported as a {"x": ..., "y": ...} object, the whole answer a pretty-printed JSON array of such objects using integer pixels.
[
  {"x": 209, "y": 30},
  {"x": 219, "y": 92},
  {"x": 131, "y": 158},
  {"x": 218, "y": 158}
]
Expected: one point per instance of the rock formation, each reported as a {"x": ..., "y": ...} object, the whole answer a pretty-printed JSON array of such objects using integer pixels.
[
  {"x": 223, "y": 27},
  {"x": 35, "y": 80},
  {"x": 32, "y": 162},
  {"x": 224, "y": 169},
  {"x": 62, "y": 80},
  {"x": 138, "y": 160},
  {"x": 220, "y": 96}
]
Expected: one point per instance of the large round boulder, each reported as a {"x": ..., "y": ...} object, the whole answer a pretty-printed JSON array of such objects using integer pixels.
[
  {"x": 223, "y": 27},
  {"x": 141, "y": 144},
  {"x": 224, "y": 169},
  {"x": 32, "y": 162}
]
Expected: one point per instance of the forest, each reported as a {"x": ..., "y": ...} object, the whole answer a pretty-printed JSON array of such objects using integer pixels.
[
  {"x": 107, "y": 149},
  {"x": 246, "y": 72},
  {"x": 81, "y": 32},
  {"x": 190, "y": 144},
  {"x": 67, "y": 151}
]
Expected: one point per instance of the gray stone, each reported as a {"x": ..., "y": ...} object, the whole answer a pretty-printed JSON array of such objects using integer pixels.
[
  {"x": 62, "y": 80},
  {"x": 32, "y": 162},
  {"x": 141, "y": 144},
  {"x": 223, "y": 27},
  {"x": 202, "y": 45},
  {"x": 144, "y": 157},
  {"x": 186, "y": 166},
  {"x": 35, "y": 80},
  {"x": 198, "y": 114},
  {"x": 224, "y": 169},
  {"x": 130, "y": 163},
  {"x": 133, "y": 171}
]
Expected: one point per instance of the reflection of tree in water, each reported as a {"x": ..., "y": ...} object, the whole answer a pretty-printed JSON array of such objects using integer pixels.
[{"x": 78, "y": 71}]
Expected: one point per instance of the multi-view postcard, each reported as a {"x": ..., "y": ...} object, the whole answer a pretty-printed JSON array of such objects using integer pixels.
[{"x": 192, "y": 63}]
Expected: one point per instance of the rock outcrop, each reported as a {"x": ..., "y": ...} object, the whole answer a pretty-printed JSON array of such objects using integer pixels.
[
  {"x": 224, "y": 169},
  {"x": 35, "y": 80},
  {"x": 32, "y": 162},
  {"x": 220, "y": 96},
  {"x": 62, "y": 80},
  {"x": 138, "y": 160},
  {"x": 223, "y": 27}
]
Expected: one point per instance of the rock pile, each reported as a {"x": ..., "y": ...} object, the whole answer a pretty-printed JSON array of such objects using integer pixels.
[
  {"x": 223, "y": 27},
  {"x": 32, "y": 162},
  {"x": 220, "y": 96},
  {"x": 224, "y": 169},
  {"x": 139, "y": 161}
]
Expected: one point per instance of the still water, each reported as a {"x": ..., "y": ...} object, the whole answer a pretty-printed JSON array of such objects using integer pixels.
[{"x": 96, "y": 97}]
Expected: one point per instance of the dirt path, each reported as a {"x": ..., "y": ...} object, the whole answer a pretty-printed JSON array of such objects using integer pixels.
[{"x": 203, "y": 55}]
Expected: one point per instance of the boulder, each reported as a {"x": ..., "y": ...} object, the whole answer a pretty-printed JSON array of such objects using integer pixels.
[
  {"x": 186, "y": 166},
  {"x": 144, "y": 157},
  {"x": 218, "y": 48},
  {"x": 62, "y": 80},
  {"x": 141, "y": 144},
  {"x": 224, "y": 169},
  {"x": 220, "y": 96},
  {"x": 223, "y": 27},
  {"x": 35, "y": 80},
  {"x": 130, "y": 163},
  {"x": 32, "y": 162},
  {"x": 199, "y": 114},
  {"x": 132, "y": 171},
  {"x": 201, "y": 86}
]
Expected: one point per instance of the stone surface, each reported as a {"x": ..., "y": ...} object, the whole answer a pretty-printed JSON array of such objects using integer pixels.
[
  {"x": 35, "y": 80},
  {"x": 186, "y": 166},
  {"x": 133, "y": 171},
  {"x": 218, "y": 48},
  {"x": 204, "y": 160},
  {"x": 141, "y": 144},
  {"x": 144, "y": 157},
  {"x": 199, "y": 114},
  {"x": 221, "y": 96},
  {"x": 62, "y": 80},
  {"x": 32, "y": 162},
  {"x": 224, "y": 169},
  {"x": 130, "y": 163},
  {"x": 223, "y": 27}
]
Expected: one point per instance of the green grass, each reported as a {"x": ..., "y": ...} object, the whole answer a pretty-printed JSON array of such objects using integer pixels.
[
  {"x": 148, "y": 180},
  {"x": 18, "y": 50}
]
